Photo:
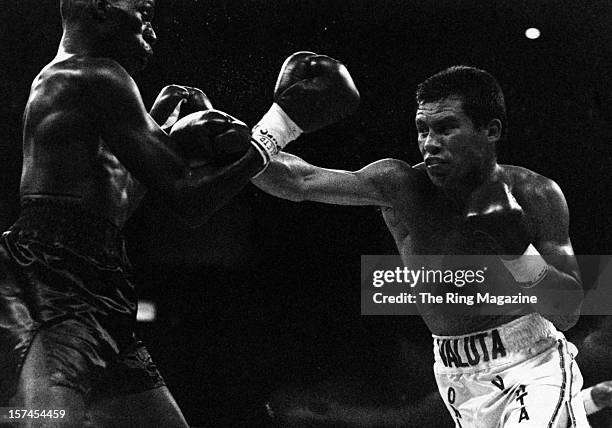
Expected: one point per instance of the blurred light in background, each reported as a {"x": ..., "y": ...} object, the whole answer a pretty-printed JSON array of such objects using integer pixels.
[
  {"x": 532, "y": 33},
  {"x": 146, "y": 311}
]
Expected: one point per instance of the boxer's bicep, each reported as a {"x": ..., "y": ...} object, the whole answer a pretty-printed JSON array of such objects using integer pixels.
[
  {"x": 132, "y": 134},
  {"x": 390, "y": 180},
  {"x": 560, "y": 291},
  {"x": 552, "y": 230},
  {"x": 340, "y": 187}
]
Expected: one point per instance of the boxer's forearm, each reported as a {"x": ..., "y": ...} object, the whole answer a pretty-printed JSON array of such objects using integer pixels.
[
  {"x": 204, "y": 190},
  {"x": 290, "y": 177},
  {"x": 559, "y": 297},
  {"x": 283, "y": 180},
  {"x": 597, "y": 397}
]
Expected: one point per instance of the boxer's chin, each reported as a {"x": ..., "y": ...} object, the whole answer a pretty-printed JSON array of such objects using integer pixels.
[{"x": 437, "y": 180}]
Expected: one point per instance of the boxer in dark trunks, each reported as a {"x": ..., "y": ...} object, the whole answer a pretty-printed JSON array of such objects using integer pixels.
[
  {"x": 67, "y": 304},
  {"x": 461, "y": 201}
]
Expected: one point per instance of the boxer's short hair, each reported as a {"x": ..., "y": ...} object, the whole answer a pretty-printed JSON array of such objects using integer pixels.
[{"x": 481, "y": 95}]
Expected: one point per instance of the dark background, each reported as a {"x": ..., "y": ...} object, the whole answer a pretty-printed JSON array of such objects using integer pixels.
[{"x": 266, "y": 294}]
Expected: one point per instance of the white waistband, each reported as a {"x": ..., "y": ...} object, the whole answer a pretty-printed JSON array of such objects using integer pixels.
[{"x": 508, "y": 343}]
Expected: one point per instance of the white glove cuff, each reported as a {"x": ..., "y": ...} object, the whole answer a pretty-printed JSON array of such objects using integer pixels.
[
  {"x": 589, "y": 405},
  {"x": 529, "y": 269},
  {"x": 275, "y": 130}
]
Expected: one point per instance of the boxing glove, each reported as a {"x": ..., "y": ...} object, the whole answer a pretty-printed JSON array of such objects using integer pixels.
[
  {"x": 495, "y": 220},
  {"x": 175, "y": 102},
  {"x": 210, "y": 137},
  {"x": 493, "y": 214},
  {"x": 311, "y": 92}
]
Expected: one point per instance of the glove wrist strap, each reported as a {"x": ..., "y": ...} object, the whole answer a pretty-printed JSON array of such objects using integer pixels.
[
  {"x": 529, "y": 269},
  {"x": 275, "y": 130}
]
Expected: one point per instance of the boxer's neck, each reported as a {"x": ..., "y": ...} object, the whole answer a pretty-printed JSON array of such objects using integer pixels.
[
  {"x": 76, "y": 41},
  {"x": 461, "y": 192}
]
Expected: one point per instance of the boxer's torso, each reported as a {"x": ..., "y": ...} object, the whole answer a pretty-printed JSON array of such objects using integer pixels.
[
  {"x": 64, "y": 154},
  {"x": 425, "y": 221}
]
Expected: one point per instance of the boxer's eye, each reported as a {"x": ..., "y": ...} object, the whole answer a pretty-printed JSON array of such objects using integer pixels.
[{"x": 422, "y": 131}]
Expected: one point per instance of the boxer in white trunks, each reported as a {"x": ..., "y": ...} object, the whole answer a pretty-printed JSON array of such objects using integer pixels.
[{"x": 511, "y": 367}]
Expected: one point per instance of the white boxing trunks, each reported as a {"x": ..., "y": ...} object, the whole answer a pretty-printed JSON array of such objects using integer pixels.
[{"x": 521, "y": 374}]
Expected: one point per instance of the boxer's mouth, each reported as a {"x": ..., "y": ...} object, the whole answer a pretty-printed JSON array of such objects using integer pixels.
[
  {"x": 433, "y": 161},
  {"x": 437, "y": 166}
]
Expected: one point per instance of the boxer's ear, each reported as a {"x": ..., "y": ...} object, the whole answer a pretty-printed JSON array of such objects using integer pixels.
[{"x": 494, "y": 130}]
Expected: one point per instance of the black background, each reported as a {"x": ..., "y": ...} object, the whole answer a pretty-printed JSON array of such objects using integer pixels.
[{"x": 266, "y": 294}]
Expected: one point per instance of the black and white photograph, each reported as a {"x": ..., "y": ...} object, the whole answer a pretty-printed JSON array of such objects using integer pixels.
[{"x": 306, "y": 213}]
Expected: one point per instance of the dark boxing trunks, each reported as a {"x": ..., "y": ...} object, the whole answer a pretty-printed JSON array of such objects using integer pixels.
[{"x": 65, "y": 281}]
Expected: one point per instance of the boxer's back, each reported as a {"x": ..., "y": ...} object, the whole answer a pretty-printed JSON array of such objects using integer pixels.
[{"x": 64, "y": 156}]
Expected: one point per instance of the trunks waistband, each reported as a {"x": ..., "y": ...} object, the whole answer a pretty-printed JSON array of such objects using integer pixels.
[
  {"x": 68, "y": 224},
  {"x": 508, "y": 343}
]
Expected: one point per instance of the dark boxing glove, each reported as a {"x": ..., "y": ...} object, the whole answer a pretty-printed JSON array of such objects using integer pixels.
[
  {"x": 177, "y": 101},
  {"x": 311, "y": 92},
  {"x": 210, "y": 137},
  {"x": 315, "y": 90},
  {"x": 492, "y": 214},
  {"x": 494, "y": 218}
]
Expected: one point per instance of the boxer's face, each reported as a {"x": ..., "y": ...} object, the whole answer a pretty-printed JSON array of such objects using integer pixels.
[
  {"x": 131, "y": 37},
  {"x": 454, "y": 150}
]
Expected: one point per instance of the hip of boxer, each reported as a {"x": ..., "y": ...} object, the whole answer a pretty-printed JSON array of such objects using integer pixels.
[
  {"x": 521, "y": 374},
  {"x": 66, "y": 299},
  {"x": 58, "y": 223}
]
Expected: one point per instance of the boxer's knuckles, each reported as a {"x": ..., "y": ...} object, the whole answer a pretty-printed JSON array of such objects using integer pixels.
[
  {"x": 211, "y": 136},
  {"x": 315, "y": 90}
]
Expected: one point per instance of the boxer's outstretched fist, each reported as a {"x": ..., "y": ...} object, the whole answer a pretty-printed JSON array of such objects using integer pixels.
[
  {"x": 315, "y": 90},
  {"x": 177, "y": 101},
  {"x": 311, "y": 92},
  {"x": 210, "y": 136}
]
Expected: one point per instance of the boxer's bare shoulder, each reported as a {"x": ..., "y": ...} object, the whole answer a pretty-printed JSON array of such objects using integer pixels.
[
  {"x": 72, "y": 74},
  {"x": 67, "y": 94},
  {"x": 395, "y": 179},
  {"x": 526, "y": 183},
  {"x": 543, "y": 202}
]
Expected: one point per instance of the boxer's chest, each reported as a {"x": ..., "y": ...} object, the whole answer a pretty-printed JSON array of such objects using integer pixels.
[{"x": 426, "y": 225}]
